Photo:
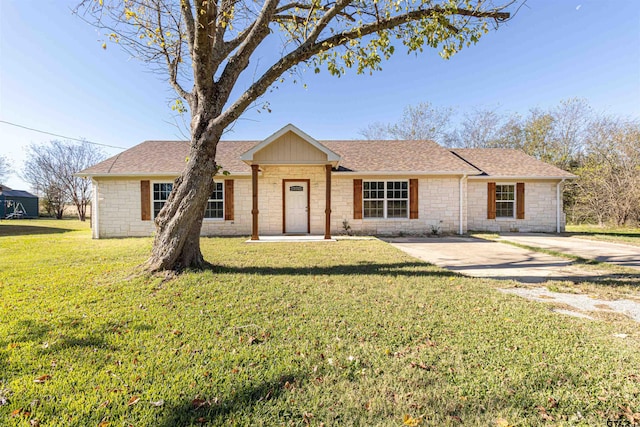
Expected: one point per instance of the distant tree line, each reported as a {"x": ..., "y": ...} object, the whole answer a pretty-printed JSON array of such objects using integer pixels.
[
  {"x": 5, "y": 168},
  {"x": 602, "y": 150},
  {"x": 50, "y": 169}
]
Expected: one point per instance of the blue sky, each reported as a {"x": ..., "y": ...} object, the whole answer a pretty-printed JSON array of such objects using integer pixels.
[{"x": 55, "y": 76}]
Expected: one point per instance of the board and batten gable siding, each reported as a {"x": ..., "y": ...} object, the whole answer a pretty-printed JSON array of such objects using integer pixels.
[
  {"x": 536, "y": 210},
  {"x": 289, "y": 149}
]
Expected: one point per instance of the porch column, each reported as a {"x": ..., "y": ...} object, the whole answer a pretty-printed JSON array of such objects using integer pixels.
[
  {"x": 327, "y": 209},
  {"x": 254, "y": 209}
]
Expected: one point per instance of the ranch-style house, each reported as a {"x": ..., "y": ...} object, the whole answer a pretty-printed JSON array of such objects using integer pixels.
[{"x": 291, "y": 183}]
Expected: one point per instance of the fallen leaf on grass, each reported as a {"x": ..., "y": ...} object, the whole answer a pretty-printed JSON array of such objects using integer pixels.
[
  {"x": 104, "y": 404},
  {"x": 133, "y": 400},
  {"x": 198, "y": 403},
  {"x": 408, "y": 420},
  {"x": 501, "y": 422},
  {"x": 157, "y": 403},
  {"x": 104, "y": 424},
  {"x": 543, "y": 413},
  {"x": 42, "y": 379},
  {"x": 630, "y": 415},
  {"x": 34, "y": 422}
]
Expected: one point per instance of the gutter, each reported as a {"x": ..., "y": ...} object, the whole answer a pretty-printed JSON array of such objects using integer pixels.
[
  {"x": 352, "y": 174},
  {"x": 95, "y": 210},
  {"x": 514, "y": 177},
  {"x": 172, "y": 175}
]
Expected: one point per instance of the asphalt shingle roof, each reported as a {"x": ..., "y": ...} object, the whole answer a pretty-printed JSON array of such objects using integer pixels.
[
  {"x": 501, "y": 162},
  {"x": 169, "y": 158}
]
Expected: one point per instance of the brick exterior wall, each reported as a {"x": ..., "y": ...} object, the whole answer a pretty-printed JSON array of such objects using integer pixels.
[
  {"x": 118, "y": 206},
  {"x": 438, "y": 207},
  {"x": 540, "y": 208}
]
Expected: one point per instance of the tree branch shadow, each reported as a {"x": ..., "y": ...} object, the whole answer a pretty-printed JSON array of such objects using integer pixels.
[
  {"x": 201, "y": 410},
  {"x": 28, "y": 230},
  {"x": 408, "y": 269}
]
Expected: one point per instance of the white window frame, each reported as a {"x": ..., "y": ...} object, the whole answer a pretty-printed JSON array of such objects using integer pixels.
[
  {"x": 513, "y": 202},
  {"x": 221, "y": 183},
  {"x": 153, "y": 196},
  {"x": 385, "y": 199},
  {"x": 154, "y": 200}
]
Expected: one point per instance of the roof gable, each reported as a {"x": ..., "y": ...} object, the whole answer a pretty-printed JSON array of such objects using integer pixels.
[{"x": 290, "y": 145}]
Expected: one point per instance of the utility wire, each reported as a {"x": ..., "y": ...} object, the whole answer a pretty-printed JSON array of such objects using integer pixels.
[{"x": 62, "y": 136}]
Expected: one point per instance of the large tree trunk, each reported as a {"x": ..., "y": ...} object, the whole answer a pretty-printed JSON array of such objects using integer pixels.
[{"x": 177, "y": 242}]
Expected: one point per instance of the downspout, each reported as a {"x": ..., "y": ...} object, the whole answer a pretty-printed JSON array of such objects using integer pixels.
[
  {"x": 460, "y": 231},
  {"x": 558, "y": 205},
  {"x": 94, "y": 210}
]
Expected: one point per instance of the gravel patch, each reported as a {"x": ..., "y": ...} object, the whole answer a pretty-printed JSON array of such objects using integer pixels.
[{"x": 580, "y": 302}]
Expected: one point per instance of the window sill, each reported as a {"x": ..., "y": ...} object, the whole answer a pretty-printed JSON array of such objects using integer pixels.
[{"x": 385, "y": 219}]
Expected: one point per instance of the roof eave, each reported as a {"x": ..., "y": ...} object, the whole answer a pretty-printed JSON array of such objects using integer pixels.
[
  {"x": 409, "y": 172},
  {"x": 146, "y": 174},
  {"x": 523, "y": 177}
]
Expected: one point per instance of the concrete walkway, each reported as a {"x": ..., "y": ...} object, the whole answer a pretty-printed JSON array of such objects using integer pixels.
[
  {"x": 615, "y": 253},
  {"x": 482, "y": 258}
]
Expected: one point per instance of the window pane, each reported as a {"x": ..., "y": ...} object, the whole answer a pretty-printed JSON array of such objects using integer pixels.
[
  {"x": 215, "y": 204},
  {"x": 373, "y": 209},
  {"x": 395, "y": 193},
  {"x": 505, "y": 192},
  {"x": 156, "y": 208},
  {"x": 214, "y": 210},
  {"x": 504, "y": 209},
  {"x": 217, "y": 192},
  {"x": 397, "y": 209},
  {"x": 161, "y": 191}
]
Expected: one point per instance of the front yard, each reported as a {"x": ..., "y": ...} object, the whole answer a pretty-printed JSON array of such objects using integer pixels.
[{"x": 344, "y": 333}]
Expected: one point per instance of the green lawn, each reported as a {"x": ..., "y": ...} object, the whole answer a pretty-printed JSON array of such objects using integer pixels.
[
  {"x": 345, "y": 333},
  {"x": 626, "y": 235}
]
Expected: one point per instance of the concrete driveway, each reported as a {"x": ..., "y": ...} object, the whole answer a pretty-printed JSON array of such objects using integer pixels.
[
  {"x": 482, "y": 258},
  {"x": 615, "y": 253}
]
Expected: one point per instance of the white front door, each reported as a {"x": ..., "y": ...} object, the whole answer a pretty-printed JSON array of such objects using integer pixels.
[{"x": 296, "y": 216}]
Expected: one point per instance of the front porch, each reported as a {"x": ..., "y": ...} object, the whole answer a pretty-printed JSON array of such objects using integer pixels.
[
  {"x": 291, "y": 239},
  {"x": 290, "y": 187}
]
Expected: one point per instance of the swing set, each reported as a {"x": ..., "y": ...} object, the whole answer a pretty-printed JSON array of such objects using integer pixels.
[{"x": 18, "y": 209}]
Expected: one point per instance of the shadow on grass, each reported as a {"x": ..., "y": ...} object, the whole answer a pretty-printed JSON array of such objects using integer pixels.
[
  {"x": 413, "y": 269},
  {"x": 203, "y": 411},
  {"x": 27, "y": 230},
  {"x": 602, "y": 233}
]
